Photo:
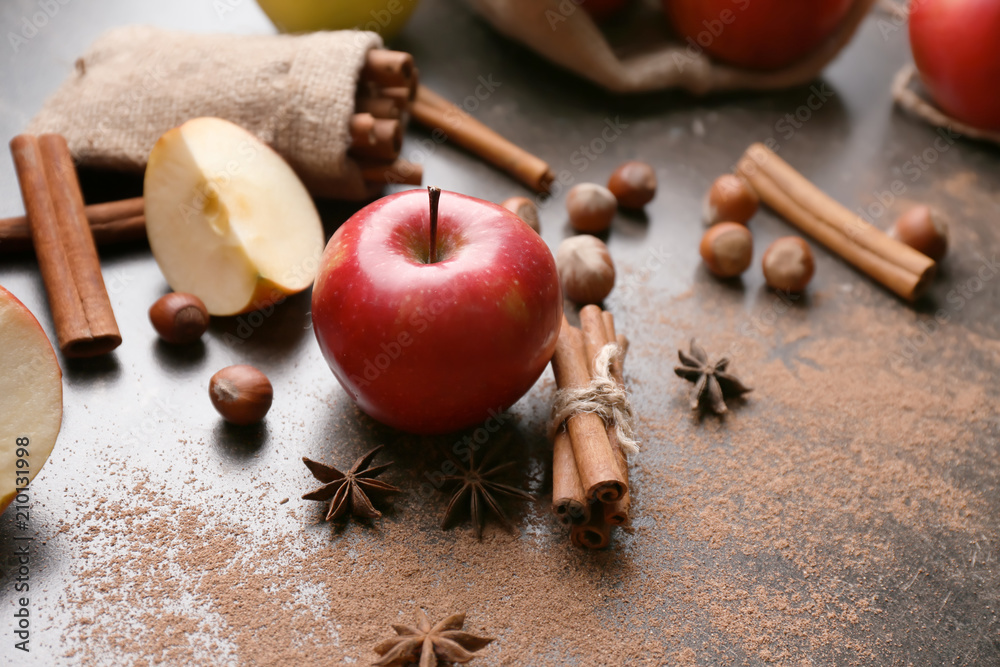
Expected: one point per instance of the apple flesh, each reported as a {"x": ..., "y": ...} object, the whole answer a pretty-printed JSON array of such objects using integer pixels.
[
  {"x": 756, "y": 34},
  {"x": 436, "y": 347},
  {"x": 956, "y": 47},
  {"x": 30, "y": 397},
  {"x": 227, "y": 218}
]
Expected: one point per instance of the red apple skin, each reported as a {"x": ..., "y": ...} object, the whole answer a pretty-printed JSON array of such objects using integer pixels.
[
  {"x": 956, "y": 47},
  {"x": 604, "y": 10},
  {"x": 433, "y": 348},
  {"x": 757, "y": 34}
]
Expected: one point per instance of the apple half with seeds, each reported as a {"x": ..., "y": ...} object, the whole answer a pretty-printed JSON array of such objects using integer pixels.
[
  {"x": 30, "y": 397},
  {"x": 227, "y": 218}
]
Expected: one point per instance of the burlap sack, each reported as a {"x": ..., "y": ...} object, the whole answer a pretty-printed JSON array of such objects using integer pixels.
[
  {"x": 296, "y": 93},
  {"x": 910, "y": 95},
  {"x": 642, "y": 55}
]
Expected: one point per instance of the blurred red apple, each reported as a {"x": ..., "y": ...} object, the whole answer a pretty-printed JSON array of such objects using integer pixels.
[
  {"x": 956, "y": 46},
  {"x": 756, "y": 34},
  {"x": 433, "y": 345}
]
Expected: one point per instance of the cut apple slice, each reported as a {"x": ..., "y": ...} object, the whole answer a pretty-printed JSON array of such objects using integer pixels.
[
  {"x": 227, "y": 218},
  {"x": 30, "y": 397}
]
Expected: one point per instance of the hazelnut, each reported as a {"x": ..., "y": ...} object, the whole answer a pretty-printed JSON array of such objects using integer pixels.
[
  {"x": 727, "y": 249},
  {"x": 241, "y": 394},
  {"x": 633, "y": 184},
  {"x": 788, "y": 264},
  {"x": 586, "y": 271},
  {"x": 591, "y": 207},
  {"x": 729, "y": 199},
  {"x": 922, "y": 231},
  {"x": 179, "y": 317},
  {"x": 525, "y": 209}
]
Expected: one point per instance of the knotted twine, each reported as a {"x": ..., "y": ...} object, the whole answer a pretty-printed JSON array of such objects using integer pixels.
[{"x": 603, "y": 397}]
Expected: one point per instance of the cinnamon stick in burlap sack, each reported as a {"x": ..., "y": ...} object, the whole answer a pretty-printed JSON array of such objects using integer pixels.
[{"x": 294, "y": 92}]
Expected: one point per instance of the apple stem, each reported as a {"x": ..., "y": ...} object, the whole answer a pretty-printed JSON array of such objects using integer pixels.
[{"x": 434, "y": 194}]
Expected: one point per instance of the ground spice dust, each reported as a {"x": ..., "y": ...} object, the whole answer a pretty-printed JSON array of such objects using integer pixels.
[{"x": 836, "y": 515}]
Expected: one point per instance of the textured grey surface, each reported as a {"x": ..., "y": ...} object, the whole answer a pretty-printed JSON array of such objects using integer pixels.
[{"x": 136, "y": 405}]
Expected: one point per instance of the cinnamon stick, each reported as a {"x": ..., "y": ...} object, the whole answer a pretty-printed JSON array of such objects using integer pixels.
[
  {"x": 110, "y": 222},
  {"x": 381, "y": 107},
  {"x": 362, "y": 129},
  {"x": 400, "y": 94},
  {"x": 594, "y": 534},
  {"x": 596, "y": 336},
  {"x": 895, "y": 265},
  {"x": 599, "y": 472},
  {"x": 388, "y": 68},
  {"x": 568, "y": 501},
  {"x": 386, "y": 141},
  {"x": 434, "y": 112},
  {"x": 71, "y": 271},
  {"x": 396, "y": 172}
]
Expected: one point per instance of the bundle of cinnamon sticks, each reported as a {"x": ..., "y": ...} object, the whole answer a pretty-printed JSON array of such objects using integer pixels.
[
  {"x": 590, "y": 480},
  {"x": 388, "y": 95},
  {"x": 387, "y": 86}
]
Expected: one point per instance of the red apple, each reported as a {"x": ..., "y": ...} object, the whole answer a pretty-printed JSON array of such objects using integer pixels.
[
  {"x": 434, "y": 345},
  {"x": 603, "y": 10},
  {"x": 756, "y": 34},
  {"x": 956, "y": 46}
]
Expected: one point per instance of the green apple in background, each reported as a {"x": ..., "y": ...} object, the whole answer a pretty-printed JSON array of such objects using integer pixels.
[{"x": 386, "y": 17}]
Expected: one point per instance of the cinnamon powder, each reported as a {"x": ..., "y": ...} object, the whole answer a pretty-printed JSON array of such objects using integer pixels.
[{"x": 805, "y": 527}]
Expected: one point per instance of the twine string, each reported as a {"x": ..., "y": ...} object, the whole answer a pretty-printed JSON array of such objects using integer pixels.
[{"x": 603, "y": 397}]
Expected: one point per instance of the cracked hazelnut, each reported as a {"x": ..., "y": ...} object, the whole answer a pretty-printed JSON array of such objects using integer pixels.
[
  {"x": 633, "y": 184},
  {"x": 788, "y": 264},
  {"x": 591, "y": 207},
  {"x": 525, "y": 209},
  {"x": 179, "y": 317},
  {"x": 241, "y": 394},
  {"x": 727, "y": 249},
  {"x": 919, "y": 229},
  {"x": 586, "y": 271},
  {"x": 729, "y": 199}
]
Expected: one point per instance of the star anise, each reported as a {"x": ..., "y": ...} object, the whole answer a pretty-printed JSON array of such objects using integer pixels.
[
  {"x": 711, "y": 381},
  {"x": 445, "y": 641},
  {"x": 477, "y": 488},
  {"x": 351, "y": 492}
]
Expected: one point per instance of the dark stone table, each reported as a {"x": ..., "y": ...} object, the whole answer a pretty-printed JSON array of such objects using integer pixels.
[{"x": 845, "y": 513}]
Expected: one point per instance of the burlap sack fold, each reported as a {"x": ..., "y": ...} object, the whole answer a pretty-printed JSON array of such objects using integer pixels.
[
  {"x": 295, "y": 93},
  {"x": 561, "y": 31},
  {"x": 911, "y": 96}
]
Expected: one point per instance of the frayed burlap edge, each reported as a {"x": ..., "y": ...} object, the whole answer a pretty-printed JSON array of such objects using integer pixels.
[{"x": 906, "y": 95}]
